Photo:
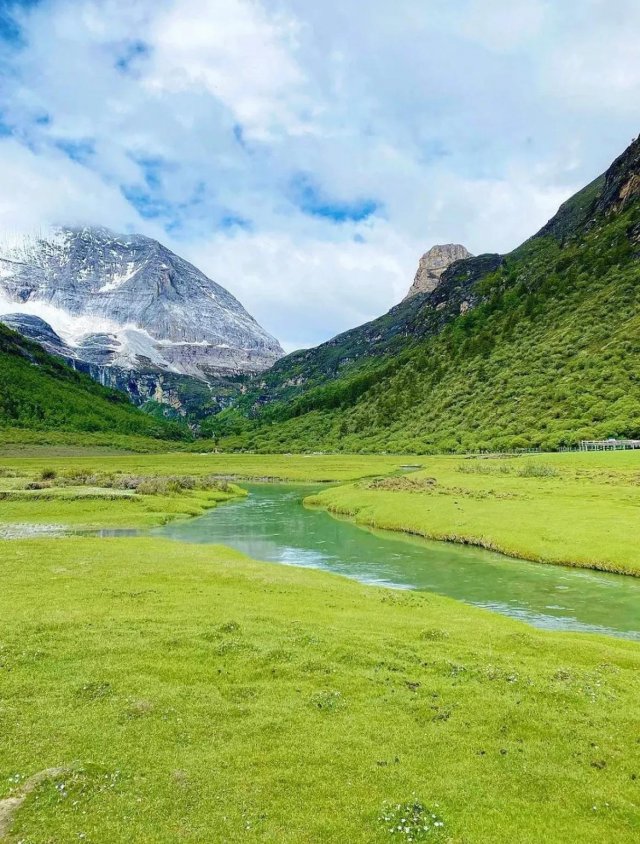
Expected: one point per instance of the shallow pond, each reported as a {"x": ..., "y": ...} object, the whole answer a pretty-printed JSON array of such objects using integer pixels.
[{"x": 272, "y": 525}]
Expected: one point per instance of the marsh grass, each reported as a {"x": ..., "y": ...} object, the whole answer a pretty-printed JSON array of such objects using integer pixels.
[
  {"x": 187, "y": 693},
  {"x": 142, "y": 484}
]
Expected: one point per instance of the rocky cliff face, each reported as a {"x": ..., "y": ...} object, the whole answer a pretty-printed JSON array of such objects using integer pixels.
[
  {"x": 432, "y": 264},
  {"x": 609, "y": 194},
  {"x": 128, "y": 310},
  {"x": 621, "y": 181}
]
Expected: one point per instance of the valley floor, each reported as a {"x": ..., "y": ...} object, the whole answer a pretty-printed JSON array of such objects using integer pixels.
[{"x": 171, "y": 692}]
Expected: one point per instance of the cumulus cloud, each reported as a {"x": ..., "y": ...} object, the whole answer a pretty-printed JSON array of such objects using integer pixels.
[
  {"x": 237, "y": 53},
  {"x": 38, "y": 191},
  {"x": 305, "y": 154}
]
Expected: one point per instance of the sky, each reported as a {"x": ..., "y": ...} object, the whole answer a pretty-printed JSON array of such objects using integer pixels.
[{"x": 304, "y": 154}]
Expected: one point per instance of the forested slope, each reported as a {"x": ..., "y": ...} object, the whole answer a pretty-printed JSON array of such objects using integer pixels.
[
  {"x": 540, "y": 347},
  {"x": 37, "y": 391}
]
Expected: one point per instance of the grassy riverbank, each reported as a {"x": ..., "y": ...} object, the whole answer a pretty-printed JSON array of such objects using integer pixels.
[
  {"x": 152, "y": 691},
  {"x": 52, "y": 501},
  {"x": 573, "y": 508},
  {"x": 576, "y": 509},
  {"x": 190, "y": 694},
  {"x": 93, "y": 490}
]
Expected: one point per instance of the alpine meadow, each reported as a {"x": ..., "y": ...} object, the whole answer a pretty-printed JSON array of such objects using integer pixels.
[{"x": 319, "y": 494}]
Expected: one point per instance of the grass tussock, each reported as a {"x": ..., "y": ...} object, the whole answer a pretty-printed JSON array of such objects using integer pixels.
[{"x": 142, "y": 484}]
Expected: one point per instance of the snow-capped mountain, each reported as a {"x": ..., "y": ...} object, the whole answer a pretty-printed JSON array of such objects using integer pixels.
[
  {"x": 125, "y": 305},
  {"x": 151, "y": 303}
]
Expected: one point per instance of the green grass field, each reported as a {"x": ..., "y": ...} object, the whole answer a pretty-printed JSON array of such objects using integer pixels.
[
  {"x": 16, "y": 442},
  {"x": 579, "y": 509},
  {"x": 283, "y": 467},
  {"x": 152, "y": 691}
]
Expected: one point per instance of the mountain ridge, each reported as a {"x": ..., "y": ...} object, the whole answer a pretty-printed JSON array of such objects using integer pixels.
[{"x": 495, "y": 339}]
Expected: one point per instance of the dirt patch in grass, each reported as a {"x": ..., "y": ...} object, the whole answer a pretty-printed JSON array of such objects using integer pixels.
[{"x": 10, "y": 805}]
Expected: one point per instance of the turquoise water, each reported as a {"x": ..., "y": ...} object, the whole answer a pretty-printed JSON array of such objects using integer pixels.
[{"x": 273, "y": 525}]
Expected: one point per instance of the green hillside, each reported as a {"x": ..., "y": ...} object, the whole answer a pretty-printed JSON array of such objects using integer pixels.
[
  {"x": 39, "y": 392},
  {"x": 540, "y": 347}
]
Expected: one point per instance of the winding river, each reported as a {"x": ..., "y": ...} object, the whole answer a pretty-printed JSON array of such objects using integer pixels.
[{"x": 271, "y": 524}]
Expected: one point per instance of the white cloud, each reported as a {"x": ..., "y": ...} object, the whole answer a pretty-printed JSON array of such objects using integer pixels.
[
  {"x": 298, "y": 284},
  {"x": 504, "y": 27},
  {"x": 463, "y": 122},
  {"x": 598, "y": 69},
  {"x": 37, "y": 191},
  {"x": 237, "y": 53}
]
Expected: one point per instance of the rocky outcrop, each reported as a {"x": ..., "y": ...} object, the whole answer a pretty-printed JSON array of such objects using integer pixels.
[
  {"x": 126, "y": 309},
  {"x": 609, "y": 194},
  {"x": 621, "y": 182},
  {"x": 456, "y": 294},
  {"x": 432, "y": 264}
]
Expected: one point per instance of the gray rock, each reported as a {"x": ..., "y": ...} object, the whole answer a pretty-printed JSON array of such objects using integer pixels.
[
  {"x": 432, "y": 264},
  {"x": 125, "y": 303},
  {"x": 38, "y": 330},
  {"x": 129, "y": 286}
]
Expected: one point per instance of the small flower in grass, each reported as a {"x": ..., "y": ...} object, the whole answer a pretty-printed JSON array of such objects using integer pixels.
[
  {"x": 329, "y": 701},
  {"x": 412, "y": 821}
]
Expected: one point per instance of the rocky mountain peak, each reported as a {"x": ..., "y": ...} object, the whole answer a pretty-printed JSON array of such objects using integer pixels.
[
  {"x": 152, "y": 306},
  {"x": 131, "y": 313},
  {"x": 621, "y": 181},
  {"x": 433, "y": 264}
]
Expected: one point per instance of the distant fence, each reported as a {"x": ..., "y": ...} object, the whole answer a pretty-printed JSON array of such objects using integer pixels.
[
  {"x": 608, "y": 445},
  {"x": 583, "y": 445}
]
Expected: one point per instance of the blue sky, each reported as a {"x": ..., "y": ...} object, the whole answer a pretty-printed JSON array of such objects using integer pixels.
[{"x": 306, "y": 154}]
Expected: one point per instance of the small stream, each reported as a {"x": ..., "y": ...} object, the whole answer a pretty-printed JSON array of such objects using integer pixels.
[{"x": 272, "y": 525}]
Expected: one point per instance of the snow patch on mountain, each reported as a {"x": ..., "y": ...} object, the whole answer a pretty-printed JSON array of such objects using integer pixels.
[
  {"x": 119, "y": 279},
  {"x": 133, "y": 302},
  {"x": 69, "y": 327}
]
